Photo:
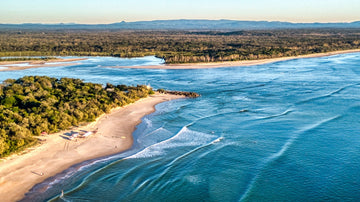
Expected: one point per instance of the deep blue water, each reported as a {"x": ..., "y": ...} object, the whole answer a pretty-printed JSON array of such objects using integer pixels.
[{"x": 285, "y": 131}]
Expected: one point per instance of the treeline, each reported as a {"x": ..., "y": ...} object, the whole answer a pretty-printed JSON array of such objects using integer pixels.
[
  {"x": 182, "y": 93},
  {"x": 179, "y": 46},
  {"x": 43, "y": 58},
  {"x": 32, "y": 105}
]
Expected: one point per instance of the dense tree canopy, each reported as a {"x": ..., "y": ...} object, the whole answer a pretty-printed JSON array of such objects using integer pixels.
[
  {"x": 35, "y": 104},
  {"x": 178, "y": 46}
]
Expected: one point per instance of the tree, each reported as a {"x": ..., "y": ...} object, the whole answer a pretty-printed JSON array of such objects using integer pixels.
[{"x": 32, "y": 105}]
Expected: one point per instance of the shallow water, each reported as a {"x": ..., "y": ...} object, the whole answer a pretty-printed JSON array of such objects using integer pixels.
[{"x": 285, "y": 131}]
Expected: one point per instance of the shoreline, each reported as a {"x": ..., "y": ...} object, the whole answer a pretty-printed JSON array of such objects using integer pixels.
[
  {"x": 20, "y": 172},
  {"x": 205, "y": 65},
  {"x": 12, "y": 65},
  {"x": 209, "y": 65}
]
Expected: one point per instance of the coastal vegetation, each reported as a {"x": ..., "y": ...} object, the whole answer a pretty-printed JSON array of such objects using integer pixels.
[
  {"x": 33, "y": 105},
  {"x": 178, "y": 46},
  {"x": 181, "y": 93},
  {"x": 42, "y": 58}
]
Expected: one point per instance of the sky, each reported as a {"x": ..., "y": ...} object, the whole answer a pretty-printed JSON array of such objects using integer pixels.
[{"x": 110, "y": 11}]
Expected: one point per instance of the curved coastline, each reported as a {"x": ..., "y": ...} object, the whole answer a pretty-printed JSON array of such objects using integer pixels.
[
  {"x": 11, "y": 66},
  {"x": 210, "y": 65},
  {"x": 29, "y": 64},
  {"x": 19, "y": 173},
  {"x": 35, "y": 178}
]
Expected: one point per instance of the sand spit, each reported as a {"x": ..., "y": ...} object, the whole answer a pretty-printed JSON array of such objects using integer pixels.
[
  {"x": 21, "y": 65},
  {"x": 234, "y": 63}
]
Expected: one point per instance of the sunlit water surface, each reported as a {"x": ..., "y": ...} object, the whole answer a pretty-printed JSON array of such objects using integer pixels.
[{"x": 285, "y": 131}]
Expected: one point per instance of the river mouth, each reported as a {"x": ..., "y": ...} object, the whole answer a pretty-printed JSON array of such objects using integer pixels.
[{"x": 281, "y": 131}]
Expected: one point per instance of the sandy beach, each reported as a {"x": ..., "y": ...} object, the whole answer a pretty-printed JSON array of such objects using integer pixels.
[
  {"x": 235, "y": 63},
  {"x": 19, "y": 173},
  {"x": 14, "y": 65}
]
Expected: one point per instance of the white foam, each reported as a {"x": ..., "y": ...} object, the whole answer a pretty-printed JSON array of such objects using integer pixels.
[
  {"x": 240, "y": 97},
  {"x": 148, "y": 122},
  {"x": 340, "y": 59},
  {"x": 194, "y": 179},
  {"x": 155, "y": 131},
  {"x": 217, "y": 140},
  {"x": 278, "y": 115},
  {"x": 185, "y": 137},
  {"x": 64, "y": 199},
  {"x": 72, "y": 171},
  {"x": 283, "y": 149}
]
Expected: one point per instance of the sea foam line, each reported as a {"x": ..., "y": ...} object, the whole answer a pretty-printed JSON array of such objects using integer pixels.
[
  {"x": 288, "y": 111},
  {"x": 327, "y": 95},
  {"x": 282, "y": 151},
  {"x": 148, "y": 150},
  {"x": 70, "y": 172},
  {"x": 170, "y": 164}
]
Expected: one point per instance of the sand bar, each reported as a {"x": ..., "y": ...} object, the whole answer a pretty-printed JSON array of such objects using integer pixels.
[
  {"x": 27, "y": 64},
  {"x": 37, "y": 64},
  {"x": 19, "y": 173},
  {"x": 235, "y": 63}
]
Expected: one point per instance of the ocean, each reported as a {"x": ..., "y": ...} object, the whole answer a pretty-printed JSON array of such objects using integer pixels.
[{"x": 283, "y": 131}]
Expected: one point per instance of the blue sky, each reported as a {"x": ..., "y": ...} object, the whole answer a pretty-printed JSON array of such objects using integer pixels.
[{"x": 109, "y": 11}]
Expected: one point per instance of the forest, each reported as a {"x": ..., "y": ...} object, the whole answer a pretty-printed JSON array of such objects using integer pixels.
[
  {"x": 32, "y": 105},
  {"x": 178, "y": 46}
]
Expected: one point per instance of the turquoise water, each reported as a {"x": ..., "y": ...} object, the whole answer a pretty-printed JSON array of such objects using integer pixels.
[{"x": 285, "y": 131}]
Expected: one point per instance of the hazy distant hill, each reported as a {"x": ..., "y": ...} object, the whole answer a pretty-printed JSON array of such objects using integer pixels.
[{"x": 186, "y": 25}]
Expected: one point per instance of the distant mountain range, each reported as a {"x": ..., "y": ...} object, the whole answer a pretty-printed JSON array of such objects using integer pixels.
[{"x": 185, "y": 25}]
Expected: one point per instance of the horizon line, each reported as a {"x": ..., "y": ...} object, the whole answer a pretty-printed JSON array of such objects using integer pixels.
[{"x": 178, "y": 19}]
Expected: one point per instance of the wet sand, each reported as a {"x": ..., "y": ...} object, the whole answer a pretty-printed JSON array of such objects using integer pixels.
[
  {"x": 19, "y": 173},
  {"x": 13, "y": 65},
  {"x": 235, "y": 63},
  {"x": 37, "y": 64}
]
